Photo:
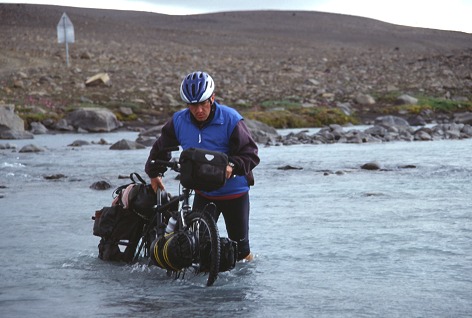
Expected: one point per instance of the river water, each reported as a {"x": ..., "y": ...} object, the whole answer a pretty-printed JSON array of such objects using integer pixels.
[{"x": 330, "y": 240}]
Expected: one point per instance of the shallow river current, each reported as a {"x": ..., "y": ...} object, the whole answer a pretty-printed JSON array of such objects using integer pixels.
[{"x": 330, "y": 240}]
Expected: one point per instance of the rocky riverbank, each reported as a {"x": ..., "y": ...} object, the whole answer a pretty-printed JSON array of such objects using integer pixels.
[
  {"x": 286, "y": 69},
  {"x": 385, "y": 129}
]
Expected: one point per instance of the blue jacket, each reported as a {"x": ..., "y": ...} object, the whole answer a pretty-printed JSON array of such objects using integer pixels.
[
  {"x": 226, "y": 133},
  {"x": 213, "y": 136}
]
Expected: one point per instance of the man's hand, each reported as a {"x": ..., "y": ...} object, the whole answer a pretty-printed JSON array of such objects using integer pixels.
[
  {"x": 156, "y": 183},
  {"x": 229, "y": 171}
]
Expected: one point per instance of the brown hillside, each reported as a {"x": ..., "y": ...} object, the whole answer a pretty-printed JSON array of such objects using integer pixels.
[{"x": 311, "y": 58}]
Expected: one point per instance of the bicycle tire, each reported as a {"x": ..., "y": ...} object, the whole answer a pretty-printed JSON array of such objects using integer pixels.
[{"x": 204, "y": 226}]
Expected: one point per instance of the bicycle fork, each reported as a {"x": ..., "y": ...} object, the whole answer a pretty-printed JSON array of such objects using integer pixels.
[{"x": 186, "y": 208}]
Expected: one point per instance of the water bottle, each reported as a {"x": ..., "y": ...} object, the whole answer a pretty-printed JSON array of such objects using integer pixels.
[{"x": 171, "y": 225}]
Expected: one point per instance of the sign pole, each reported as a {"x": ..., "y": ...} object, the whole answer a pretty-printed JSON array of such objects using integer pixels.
[
  {"x": 65, "y": 40},
  {"x": 65, "y": 33}
]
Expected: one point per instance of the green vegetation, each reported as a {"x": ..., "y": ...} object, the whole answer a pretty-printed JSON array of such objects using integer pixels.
[
  {"x": 302, "y": 117},
  {"x": 290, "y": 113},
  {"x": 322, "y": 116},
  {"x": 123, "y": 117},
  {"x": 29, "y": 115},
  {"x": 72, "y": 107},
  {"x": 445, "y": 105},
  {"x": 278, "y": 119},
  {"x": 436, "y": 105},
  {"x": 411, "y": 109},
  {"x": 279, "y": 104}
]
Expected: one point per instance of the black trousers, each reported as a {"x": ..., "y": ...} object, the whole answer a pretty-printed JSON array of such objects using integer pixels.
[{"x": 236, "y": 215}]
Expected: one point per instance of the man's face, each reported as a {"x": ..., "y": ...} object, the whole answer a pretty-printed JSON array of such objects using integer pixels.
[{"x": 201, "y": 111}]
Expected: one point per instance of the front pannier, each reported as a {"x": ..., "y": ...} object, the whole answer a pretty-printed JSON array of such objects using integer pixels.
[
  {"x": 202, "y": 169},
  {"x": 117, "y": 226}
]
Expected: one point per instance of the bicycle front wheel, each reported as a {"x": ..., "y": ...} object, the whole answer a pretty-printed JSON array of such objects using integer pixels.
[{"x": 207, "y": 256}]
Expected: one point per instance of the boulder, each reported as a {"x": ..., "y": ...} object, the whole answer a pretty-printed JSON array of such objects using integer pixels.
[
  {"x": 101, "y": 142},
  {"x": 7, "y": 146},
  {"x": 9, "y": 120},
  {"x": 79, "y": 143},
  {"x": 346, "y": 108},
  {"x": 289, "y": 167},
  {"x": 261, "y": 132},
  {"x": 463, "y": 118},
  {"x": 127, "y": 111},
  {"x": 38, "y": 128},
  {"x": 466, "y": 131},
  {"x": 392, "y": 122},
  {"x": 423, "y": 135},
  {"x": 11, "y": 125},
  {"x": 406, "y": 100},
  {"x": 371, "y": 166},
  {"x": 364, "y": 99},
  {"x": 56, "y": 176},
  {"x": 124, "y": 144},
  {"x": 154, "y": 131},
  {"x": 100, "y": 185},
  {"x": 146, "y": 141},
  {"x": 93, "y": 119},
  {"x": 62, "y": 125},
  {"x": 417, "y": 120},
  {"x": 14, "y": 134},
  {"x": 98, "y": 79},
  {"x": 31, "y": 148}
]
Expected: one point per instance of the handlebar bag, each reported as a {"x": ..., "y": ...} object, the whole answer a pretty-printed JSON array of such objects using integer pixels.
[{"x": 202, "y": 169}]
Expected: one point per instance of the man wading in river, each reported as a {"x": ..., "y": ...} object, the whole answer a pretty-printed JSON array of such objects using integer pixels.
[{"x": 210, "y": 125}]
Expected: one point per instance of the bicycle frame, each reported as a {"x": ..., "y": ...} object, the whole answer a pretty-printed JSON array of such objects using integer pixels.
[
  {"x": 155, "y": 238},
  {"x": 161, "y": 211}
]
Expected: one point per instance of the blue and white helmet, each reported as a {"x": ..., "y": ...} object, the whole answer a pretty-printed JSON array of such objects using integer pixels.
[{"x": 196, "y": 87}]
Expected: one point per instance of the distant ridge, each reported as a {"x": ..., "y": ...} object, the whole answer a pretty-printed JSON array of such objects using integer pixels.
[{"x": 266, "y": 30}]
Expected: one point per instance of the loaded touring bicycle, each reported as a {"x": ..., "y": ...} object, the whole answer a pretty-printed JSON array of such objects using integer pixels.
[{"x": 164, "y": 230}]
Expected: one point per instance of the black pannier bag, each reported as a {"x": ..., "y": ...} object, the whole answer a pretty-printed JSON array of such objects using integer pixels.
[
  {"x": 202, "y": 169},
  {"x": 117, "y": 226},
  {"x": 137, "y": 196},
  {"x": 228, "y": 255},
  {"x": 124, "y": 222}
]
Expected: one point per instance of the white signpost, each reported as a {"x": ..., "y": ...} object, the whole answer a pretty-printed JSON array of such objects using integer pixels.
[{"x": 65, "y": 33}]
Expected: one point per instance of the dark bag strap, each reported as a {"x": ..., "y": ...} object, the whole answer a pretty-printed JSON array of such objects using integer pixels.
[
  {"x": 132, "y": 176},
  {"x": 117, "y": 191},
  {"x": 140, "y": 179}
]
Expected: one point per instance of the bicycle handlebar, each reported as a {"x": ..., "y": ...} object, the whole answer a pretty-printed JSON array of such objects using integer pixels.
[{"x": 173, "y": 165}]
